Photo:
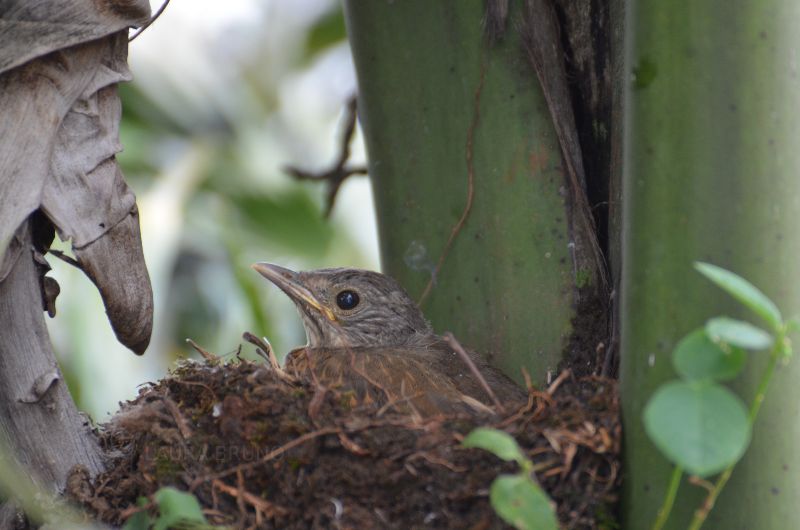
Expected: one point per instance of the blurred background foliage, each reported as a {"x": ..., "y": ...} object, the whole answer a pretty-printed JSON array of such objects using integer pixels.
[{"x": 226, "y": 94}]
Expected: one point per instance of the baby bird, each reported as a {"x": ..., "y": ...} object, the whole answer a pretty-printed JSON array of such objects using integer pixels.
[{"x": 367, "y": 335}]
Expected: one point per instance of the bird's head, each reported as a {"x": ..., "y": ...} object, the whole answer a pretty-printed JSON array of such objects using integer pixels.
[{"x": 350, "y": 307}]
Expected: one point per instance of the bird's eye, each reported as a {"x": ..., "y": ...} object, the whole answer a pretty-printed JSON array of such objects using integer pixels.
[{"x": 347, "y": 299}]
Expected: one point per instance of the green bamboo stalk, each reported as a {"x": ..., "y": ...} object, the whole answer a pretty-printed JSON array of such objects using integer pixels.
[
  {"x": 462, "y": 148},
  {"x": 711, "y": 163}
]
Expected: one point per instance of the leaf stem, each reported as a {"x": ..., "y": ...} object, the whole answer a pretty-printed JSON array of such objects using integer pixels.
[
  {"x": 775, "y": 354},
  {"x": 669, "y": 498}
]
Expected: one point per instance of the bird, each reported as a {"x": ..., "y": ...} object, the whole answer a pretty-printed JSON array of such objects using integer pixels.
[{"x": 366, "y": 335}]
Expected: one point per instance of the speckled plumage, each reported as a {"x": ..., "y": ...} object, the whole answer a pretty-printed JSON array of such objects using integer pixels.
[{"x": 383, "y": 349}]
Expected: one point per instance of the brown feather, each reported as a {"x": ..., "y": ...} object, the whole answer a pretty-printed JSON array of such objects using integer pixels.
[{"x": 426, "y": 380}]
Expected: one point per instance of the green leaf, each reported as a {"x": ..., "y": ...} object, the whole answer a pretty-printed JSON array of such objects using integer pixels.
[
  {"x": 700, "y": 426},
  {"x": 744, "y": 291},
  {"x": 738, "y": 333},
  {"x": 290, "y": 220},
  {"x": 327, "y": 31},
  {"x": 177, "y": 509},
  {"x": 500, "y": 443},
  {"x": 793, "y": 325},
  {"x": 698, "y": 357},
  {"x": 522, "y": 503}
]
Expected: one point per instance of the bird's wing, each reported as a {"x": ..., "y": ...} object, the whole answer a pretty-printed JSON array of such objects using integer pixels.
[
  {"x": 446, "y": 361},
  {"x": 388, "y": 377}
]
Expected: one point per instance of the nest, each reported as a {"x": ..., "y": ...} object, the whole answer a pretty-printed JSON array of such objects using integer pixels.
[{"x": 262, "y": 450}]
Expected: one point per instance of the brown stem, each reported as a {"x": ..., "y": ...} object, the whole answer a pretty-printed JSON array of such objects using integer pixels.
[{"x": 451, "y": 340}]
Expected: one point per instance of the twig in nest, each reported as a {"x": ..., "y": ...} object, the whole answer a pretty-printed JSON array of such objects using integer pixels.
[
  {"x": 451, "y": 340},
  {"x": 525, "y": 409},
  {"x": 557, "y": 383},
  {"x": 241, "y": 495},
  {"x": 553, "y": 472},
  {"x": 351, "y": 446},
  {"x": 437, "y": 461},
  {"x": 336, "y": 175},
  {"x": 263, "y": 349},
  {"x": 133, "y": 510},
  {"x": 196, "y": 383},
  {"x": 177, "y": 417},
  {"x": 569, "y": 456},
  {"x": 541, "y": 400},
  {"x": 541, "y": 467},
  {"x": 269, "y": 456},
  {"x": 527, "y": 377},
  {"x": 207, "y": 355},
  {"x": 553, "y": 439},
  {"x": 152, "y": 19}
]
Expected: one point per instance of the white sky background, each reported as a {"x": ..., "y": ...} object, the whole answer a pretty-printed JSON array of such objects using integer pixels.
[{"x": 199, "y": 45}]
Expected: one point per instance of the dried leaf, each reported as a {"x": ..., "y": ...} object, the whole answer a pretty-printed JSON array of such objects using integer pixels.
[{"x": 33, "y": 28}]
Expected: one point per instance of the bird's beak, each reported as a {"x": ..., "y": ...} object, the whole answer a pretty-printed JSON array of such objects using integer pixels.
[{"x": 288, "y": 282}]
